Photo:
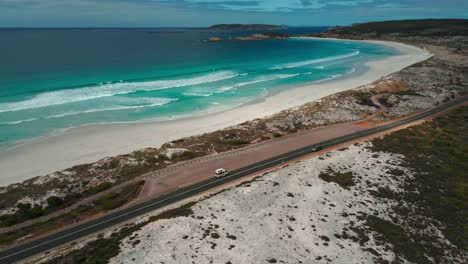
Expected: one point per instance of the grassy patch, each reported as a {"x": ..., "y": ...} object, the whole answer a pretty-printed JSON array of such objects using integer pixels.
[
  {"x": 25, "y": 212},
  {"x": 403, "y": 245},
  {"x": 188, "y": 155},
  {"x": 98, "y": 188},
  {"x": 111, "y": 201},
  {"x": 178, "y": 212},
  {"x": 237, "y": 142},
  {"x": 436, "y": 152},
  {"x": 345, "y": 180},
  {"x": 363, "y": 98},
  {"x": 408, "y": 92},
  {"x": 384, "y": 193}
]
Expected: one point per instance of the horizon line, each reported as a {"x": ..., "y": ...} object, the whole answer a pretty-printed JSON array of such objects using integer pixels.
[{"x": 136, "y": 27}]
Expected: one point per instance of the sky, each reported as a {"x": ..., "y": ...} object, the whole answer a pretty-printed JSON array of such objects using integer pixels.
[{"x": 200, "y": 13}]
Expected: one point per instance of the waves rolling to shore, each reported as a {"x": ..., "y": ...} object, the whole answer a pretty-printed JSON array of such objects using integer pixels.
[{"x": 205, "y": 85}]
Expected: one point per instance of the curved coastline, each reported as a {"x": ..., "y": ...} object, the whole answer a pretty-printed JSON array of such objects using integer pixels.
[{"x": 90, "y": 143}]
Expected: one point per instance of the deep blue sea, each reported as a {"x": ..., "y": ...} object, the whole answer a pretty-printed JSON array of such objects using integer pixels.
[{"x": 55, "y": 79}]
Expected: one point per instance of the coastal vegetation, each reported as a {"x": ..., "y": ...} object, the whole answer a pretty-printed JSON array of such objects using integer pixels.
[
  {"x": 345, "y": 180},
  {"x": 426, "y": 218},
  {"x": 89, "y": 180},
  {"x": 436, "y": 153},
  {"x": 105, "y": 203},
  {"x": 402, "y": 28}
]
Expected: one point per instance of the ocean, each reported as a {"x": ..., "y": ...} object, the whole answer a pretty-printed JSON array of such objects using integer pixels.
[{"x": 56, "y": 79}]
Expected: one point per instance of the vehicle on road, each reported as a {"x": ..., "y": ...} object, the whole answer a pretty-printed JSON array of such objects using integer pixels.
[
  {"x": 219, "y": 173},
  {"x": 317, "y": 148}
]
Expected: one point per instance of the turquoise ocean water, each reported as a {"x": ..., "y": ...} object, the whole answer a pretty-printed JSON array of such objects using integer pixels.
[{"x": 55, "y": 79}]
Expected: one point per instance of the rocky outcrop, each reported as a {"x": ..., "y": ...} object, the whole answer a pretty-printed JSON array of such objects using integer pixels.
[
  {"x": 214, "y": 39},
  {"x": 263, "y": 36}
]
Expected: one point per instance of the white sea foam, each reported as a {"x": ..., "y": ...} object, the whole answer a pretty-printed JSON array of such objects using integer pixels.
[
  {"x": 329, "y": 78},
  {"x": 315, "y": 61},
  {"x": 143, "y": 103},
  {"x": 352, "y": 70},
  {"x": 106, "y": 90},
  {"x": 18, "y": 121},
  {"x": 204, "y": 91},
  {"x": 201, "y": 94},
  {"x": 266, "y": 79}
]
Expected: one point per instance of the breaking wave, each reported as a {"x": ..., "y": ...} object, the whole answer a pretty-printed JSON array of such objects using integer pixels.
[
  {"x": 142, "y": 102},
  {"x": 309, "y": 62},
  {"x": 204, "y": 92},
  {"x": 110, "y": 89},
  {"x": 18, "y": 121}
]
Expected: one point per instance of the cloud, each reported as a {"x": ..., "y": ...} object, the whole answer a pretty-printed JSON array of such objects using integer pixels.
[
  {"x": 273, "y": 5},
  {"x": 166, "y": 13},
  {"x": 391, "y": 5}
]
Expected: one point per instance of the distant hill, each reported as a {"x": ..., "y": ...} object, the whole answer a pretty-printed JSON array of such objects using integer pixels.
[
  {"x": 402, "y": 28},
  {"x": 246, "y": 27}
]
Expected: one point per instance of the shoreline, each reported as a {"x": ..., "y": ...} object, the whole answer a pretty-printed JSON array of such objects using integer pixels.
[{"x": 90, "y": 143}]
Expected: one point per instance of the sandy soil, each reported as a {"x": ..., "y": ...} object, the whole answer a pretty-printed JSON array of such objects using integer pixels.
[
  {"x": 90, "y": 143},
  {"x": 303, "y": 218}
]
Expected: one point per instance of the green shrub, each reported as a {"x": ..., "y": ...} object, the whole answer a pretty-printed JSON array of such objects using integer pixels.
[
  {"x": 54, "y": 202},
  {"x": 345, "y": 180},
  {"x": 238, "y": 142},
  {"x": 397, "y": 236},
  {"x": 25, "y": 212},
  {"x": 98, "y": 188}
]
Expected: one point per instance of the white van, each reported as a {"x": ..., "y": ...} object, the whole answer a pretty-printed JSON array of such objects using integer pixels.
[{"x": 219, "y": 173}]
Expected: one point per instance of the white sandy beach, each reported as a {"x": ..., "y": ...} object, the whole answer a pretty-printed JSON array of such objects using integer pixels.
[{"x": 91, "y": 143}]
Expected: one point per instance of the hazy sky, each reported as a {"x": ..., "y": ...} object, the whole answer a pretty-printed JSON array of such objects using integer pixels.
[{"x": 166, "y": 13}]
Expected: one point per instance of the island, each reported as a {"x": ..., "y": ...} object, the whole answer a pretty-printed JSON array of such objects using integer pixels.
[
  {"x": 255, "y": 37},
  {"x": 263, "y": 36},
  {"x": 247, "y": 27}
]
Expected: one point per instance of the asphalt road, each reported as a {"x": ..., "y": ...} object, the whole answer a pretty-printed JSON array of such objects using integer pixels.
[{"x": 49, "y": 242}]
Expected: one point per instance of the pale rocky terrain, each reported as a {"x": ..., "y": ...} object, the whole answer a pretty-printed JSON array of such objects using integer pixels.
[
  {"x": 288, "y": 216},
  {"x": 429, "y": 83}
]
